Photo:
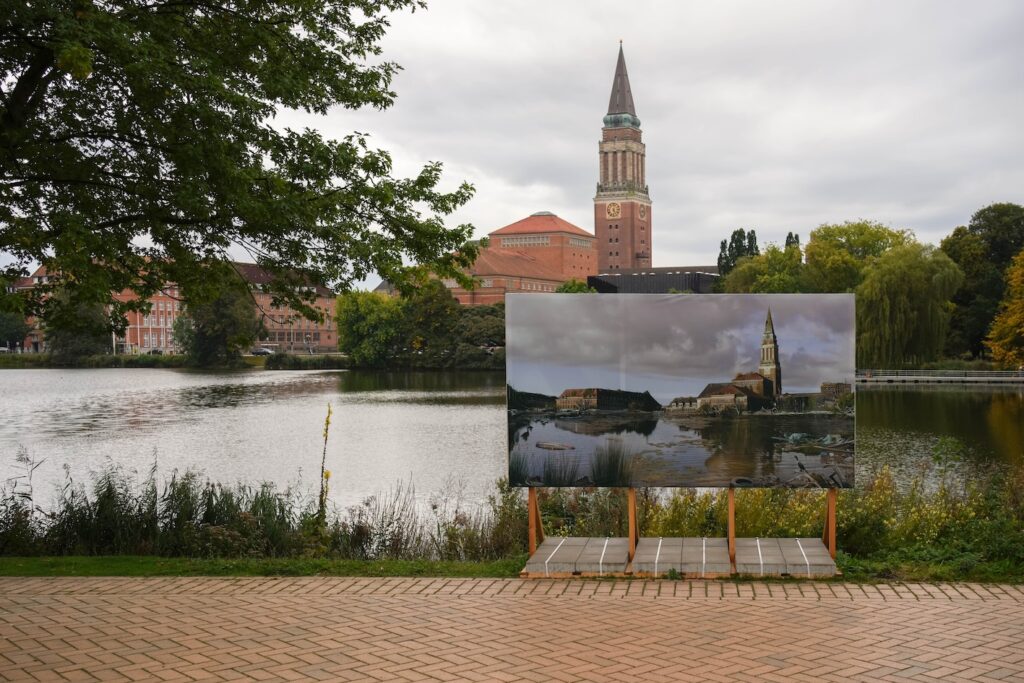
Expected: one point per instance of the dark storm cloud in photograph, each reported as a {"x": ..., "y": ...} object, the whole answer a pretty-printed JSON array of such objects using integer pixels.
[{"x": 674, "y": 345}]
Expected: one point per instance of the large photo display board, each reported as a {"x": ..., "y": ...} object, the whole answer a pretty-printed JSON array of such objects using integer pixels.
[{"x": 681, "y": 390}]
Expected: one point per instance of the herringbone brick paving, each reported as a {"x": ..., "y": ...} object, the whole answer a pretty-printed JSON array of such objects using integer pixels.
[{"x": 358, "y": 629}]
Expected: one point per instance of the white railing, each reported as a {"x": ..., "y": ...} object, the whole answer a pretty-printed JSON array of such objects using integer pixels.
[{"x": 978, "y": 374}]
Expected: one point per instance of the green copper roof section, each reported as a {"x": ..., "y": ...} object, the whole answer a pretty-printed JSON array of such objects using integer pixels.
[{"x": 621, "y": 110}]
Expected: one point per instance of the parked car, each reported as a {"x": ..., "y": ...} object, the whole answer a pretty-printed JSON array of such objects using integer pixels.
[
  {"x": 154, "y": 352},
  {"x": 262, "y": 352}
]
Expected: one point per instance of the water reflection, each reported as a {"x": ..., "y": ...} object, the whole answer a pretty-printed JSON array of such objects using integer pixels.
[{"x": 988, "y": 422}]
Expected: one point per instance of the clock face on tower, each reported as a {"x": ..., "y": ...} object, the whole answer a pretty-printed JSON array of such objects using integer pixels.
[
  {"x": 643, "y": 211},
  {"x": 613, "y": 210}
]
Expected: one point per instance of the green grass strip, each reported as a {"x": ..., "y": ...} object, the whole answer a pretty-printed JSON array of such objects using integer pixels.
[{"x": 128, "y": 565}]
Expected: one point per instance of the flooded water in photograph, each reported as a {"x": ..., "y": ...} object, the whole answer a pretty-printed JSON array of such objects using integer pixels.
[{"x": 660, "y": 449}]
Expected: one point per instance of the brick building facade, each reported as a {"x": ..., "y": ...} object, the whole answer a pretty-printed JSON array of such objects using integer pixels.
[
  {"x": 283, "y": 328},
  {"x": 535, "y": 254}
]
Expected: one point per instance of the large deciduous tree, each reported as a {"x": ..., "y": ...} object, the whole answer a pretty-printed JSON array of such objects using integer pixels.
[
  {"x": 1006, "y": 338},
  {"x": 837, "y": 255},
  {"x": 776, "y": 270},
  {"x": 983, "y": 250},
  {"x": 13, "y": 329},
  {"x": 138, "y": 141},
  {"x": 977, "y": 300},
  {"x": 215, "y": 330},
  {"x": 903, "y": 306}
]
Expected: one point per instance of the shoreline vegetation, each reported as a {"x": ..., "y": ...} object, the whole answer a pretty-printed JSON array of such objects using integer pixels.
[{"x": 120, "y": 525}]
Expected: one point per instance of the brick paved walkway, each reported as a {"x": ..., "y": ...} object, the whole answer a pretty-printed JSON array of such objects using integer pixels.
[{"x": 502, "y": 630}]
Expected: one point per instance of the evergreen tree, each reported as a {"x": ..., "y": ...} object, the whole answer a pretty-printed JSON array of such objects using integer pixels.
[{"x": 740, "y": 244}]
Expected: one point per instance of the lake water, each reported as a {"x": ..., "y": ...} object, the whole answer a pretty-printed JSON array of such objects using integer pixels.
[{"x": 439, "y": 431}]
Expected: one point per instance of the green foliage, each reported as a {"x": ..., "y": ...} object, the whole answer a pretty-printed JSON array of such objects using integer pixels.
[
  {"x": 1001, "y": 226},
  {"x": 1006, "y": 338},
  {"x": 776, "y": 270},
  {"x": 977, "y": 300},
  {"x": 76, "y": 330},
  {"x": 13, "y": 329},
  {"x": 426, "y": 329},
  {"x": 370, "y": 327},
  {"x": 740, "y": 244},
  {"x": 216, "y": 330},
  {"x": 903, "y": 307},
  {"x": 136, "y": 144},
  {"x": 838, "y": 255},
  {"x": 968, "y": 531},
  {"x": 574, "y": 286}
]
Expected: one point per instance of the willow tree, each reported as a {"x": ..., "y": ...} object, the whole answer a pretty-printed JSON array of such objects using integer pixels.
[
  {"x": 903, "y": 306},
  {"x": 1006, "y": 338},
  {"x": 138, "y": 143}
]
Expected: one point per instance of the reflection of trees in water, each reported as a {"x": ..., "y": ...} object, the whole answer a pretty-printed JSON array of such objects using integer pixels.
[
  {"x": 989, "y": 421},
  {"x": 742, "y": 435},
  {"x": 1005, "y": 419},
  {"x": 373, "y": 380},
  {"x": 603, "y": 425}
]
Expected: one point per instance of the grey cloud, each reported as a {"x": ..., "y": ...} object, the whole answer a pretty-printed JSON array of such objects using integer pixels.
[
  {"x": 692, "y": 339},
  {"x": 778, "y": 116}
]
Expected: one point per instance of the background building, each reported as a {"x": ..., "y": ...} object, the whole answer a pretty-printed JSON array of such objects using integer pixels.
[
  {"x": 535, "y": 254},
  {"x": 283, "y": 328},
  {"x": 681, "y": 279}
]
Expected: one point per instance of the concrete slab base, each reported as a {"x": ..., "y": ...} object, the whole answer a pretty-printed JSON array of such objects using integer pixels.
[{"x": 687, "y": 557}]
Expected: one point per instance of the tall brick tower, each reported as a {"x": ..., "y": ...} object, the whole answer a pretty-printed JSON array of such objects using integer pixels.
[{"x": 622, "y": 207}]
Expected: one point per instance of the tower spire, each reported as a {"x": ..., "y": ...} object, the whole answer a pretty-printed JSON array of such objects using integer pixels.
[{"x": 621, "y": 101}]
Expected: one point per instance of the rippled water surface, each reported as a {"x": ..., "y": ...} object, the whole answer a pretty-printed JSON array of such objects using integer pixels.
[{"x": 432, "y": 429}]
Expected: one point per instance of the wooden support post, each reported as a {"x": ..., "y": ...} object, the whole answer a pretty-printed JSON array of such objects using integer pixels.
[
  {"x": 732, "y": 528},
  {"x": 535, "y": 524},
  {"x": 634, "y": 528},
  {"x": 828, "y": 536}
]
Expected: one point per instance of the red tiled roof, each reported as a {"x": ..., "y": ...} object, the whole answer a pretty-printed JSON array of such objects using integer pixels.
[
  {"x": 255, "y": 275},
  {"x": 541, "y": 222},
  {"x": 514, "y": 264}
]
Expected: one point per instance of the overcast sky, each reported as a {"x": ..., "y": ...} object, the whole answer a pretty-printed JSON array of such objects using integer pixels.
[
  {"x": 775, "y": 115},
  {"x": 772, "y": 115},
  {"x": 673, "y": 345}
]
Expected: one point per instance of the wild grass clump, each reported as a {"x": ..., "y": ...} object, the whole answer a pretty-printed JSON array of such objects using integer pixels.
[
  {"x": 561, "y": 470},
  {"x": 518, "y": 468},
  {"x": 612, "y": 464},
  {"x": 188, "y": 516}
]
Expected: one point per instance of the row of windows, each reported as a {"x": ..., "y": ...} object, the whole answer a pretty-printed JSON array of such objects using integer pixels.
[
  {"x": 157, "y": 320},
  {"x": 580, "y": 242},
  {"x": 616, "y": 227},
  {"x": 291, "y": 337},
  {"x": 526, "y": 241}
]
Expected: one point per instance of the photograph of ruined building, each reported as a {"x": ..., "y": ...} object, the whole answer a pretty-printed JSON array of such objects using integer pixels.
[{"x": 681, "y": 390}]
